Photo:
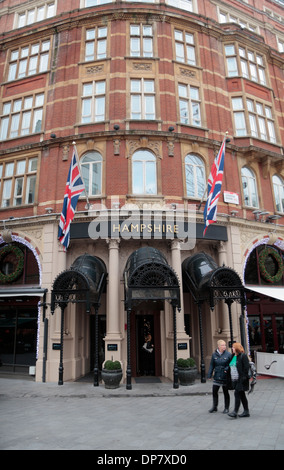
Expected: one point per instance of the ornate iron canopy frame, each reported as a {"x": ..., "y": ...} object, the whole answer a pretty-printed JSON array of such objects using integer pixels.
[
  {"x": 148, "y": 277},
  {"x": 83, "y": 283},
  {"x": 219, "y": 283}
]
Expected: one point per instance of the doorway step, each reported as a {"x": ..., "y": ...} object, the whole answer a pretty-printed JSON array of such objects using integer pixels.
[{"x": 148, "y": 379}]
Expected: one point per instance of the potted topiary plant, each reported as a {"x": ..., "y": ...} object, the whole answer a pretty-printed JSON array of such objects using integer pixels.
[
  {"x": 112, "y": 374},
  {"x": 187, "y": 371}
]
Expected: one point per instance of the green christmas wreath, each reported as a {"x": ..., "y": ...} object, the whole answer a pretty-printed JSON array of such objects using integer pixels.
[
  {"x": 277, "y": 257},
  {"x": 5, "y": 278}
]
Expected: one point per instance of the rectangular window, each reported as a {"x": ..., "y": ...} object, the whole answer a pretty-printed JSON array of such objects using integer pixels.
[
  {"x": 22, "y": 116},
  {"x": 260, "y": 120},
  {"x": 18, "y": 180},
  {"x": 142, "y": 1},
  {"x": 93, "y": 102},
  {"x": 226, "y": 17},
  {"x": 94, "y": 3},
  {"x": 280, "y": 45},
  {"x": 231, "y": 60},
  {"x": 239, "y": 116},
  {"x": 96, "y": 43},
  {"x": 183, "y": 4},
  {"x": 142, "y": 99},
  {"x": 29, "y": 60},
  {"x": 38, "y": 13},
  {"x": 189, "y": 105},
  {"x": 141, "y": 40},
  {"x": 251, "y": 65},
  {"x": 185, "y": 48}
]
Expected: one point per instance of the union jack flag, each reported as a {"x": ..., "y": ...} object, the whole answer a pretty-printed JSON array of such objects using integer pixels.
[
  {"x": 214, "y": 188},
  {"x": 74, "y": 187}
]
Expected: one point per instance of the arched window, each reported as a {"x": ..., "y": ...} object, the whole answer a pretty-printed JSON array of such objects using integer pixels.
[
  {"x": 249, "y": 187},
  {"x": 91, "y": 167},
  {"x": 194, "y": 176},
  {"x": 144, "y": 173},
  {"x": 278, "y": 188}
]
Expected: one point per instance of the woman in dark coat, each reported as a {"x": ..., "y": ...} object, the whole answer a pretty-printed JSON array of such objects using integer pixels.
[
  {"x": 219, "y": 364},
  {"x": 239, "y": 370}
]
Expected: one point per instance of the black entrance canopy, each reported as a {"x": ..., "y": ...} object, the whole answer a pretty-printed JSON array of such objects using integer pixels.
[
  {"x": 84, "y": 283},
  {"x": 209, "y": 283},
  {"x": 147, "y": 276}
]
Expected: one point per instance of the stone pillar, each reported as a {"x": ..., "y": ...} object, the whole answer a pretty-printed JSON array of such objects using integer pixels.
[
  {"x": 182, "y": 337},
  {"x": 113, "y": 334},
  {"x": 224, "y": 316}
]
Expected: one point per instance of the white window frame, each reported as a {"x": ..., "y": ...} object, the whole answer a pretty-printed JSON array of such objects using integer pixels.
[
  {"x": 226, "y": 17},
  {"x": 94, "y": 3},
  {"x": 242, "y": 61},
  {"x": 142, "y": 98},
  {"x": 29, "y": 60},
  {"x": 278, "y": 189},
  {"x": 260, "y": 119},
  {"x": 280, "y": 43},
  {"x": 141, "y": 37},
  {"x": 185, "y": 47},
  {"x": 189, "y": 104},
  {"x": 92, "y": 167},
  {"x": 143, "y": 1},
  {"x": 21, "y": 116},
  {"x": 187, "y": 5},
  {"x": 93, "y": 100},
  {"x": 35, "y": 13},
  {"x": 96, "y": 42},
  {"x": 18, "y": 180},
  {"x": 144, "y": 173},
  {"x": 249, "y": 186},
  {"x": 195, "y": 178}
]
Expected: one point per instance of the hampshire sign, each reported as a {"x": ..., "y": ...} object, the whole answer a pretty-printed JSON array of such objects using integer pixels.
[{"x": 146, "y": 224}]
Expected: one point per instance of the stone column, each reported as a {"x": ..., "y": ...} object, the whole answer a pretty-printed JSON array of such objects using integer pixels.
[
  {"x": 224, "y": 316},
  {"x": 113, "y": 334},
  {"x": 182, "y": 337}
]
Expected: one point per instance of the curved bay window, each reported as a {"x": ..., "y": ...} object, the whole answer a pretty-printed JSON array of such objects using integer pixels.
[
  {"x": 91, "y": 167},
  {"x": 144, "y": 173},
  {"x": 194, "y": 176}
]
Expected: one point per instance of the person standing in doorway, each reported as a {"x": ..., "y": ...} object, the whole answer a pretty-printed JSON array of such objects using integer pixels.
[
  {"x": 239, "y": 370},
  {"x": 219, "y": 365},
  {"x": 148, "y": 348}
]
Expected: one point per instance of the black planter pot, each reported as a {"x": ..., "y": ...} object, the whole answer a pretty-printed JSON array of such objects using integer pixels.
[
  {"x": 187, "y": 375},
  {"x": 111, "y": 378}
]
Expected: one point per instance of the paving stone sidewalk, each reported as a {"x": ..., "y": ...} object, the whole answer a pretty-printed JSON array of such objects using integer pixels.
[{"x": 79, "y": 416}]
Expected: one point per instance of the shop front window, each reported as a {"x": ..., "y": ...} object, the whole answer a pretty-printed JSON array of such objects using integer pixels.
[{"x": 18, "y": 337}]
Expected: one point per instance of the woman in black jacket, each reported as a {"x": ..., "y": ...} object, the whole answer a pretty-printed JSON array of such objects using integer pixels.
[
  {"x": 219, "y": 364},
  {"x": 239, "y": 370}
]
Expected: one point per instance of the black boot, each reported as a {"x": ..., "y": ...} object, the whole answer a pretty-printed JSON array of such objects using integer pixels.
[
  {"x": 227, "y": 406},
  {"x": 244, "y": 414},
  {"x": 215, "y": 405},
  {"x": 233, "y": 414}
]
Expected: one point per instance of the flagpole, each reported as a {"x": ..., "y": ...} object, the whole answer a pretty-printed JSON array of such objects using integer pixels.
[
  {"x": 206, "y": 188},
  {"x": 202, "y": 198},
  {"x": 78, "y": 161}
]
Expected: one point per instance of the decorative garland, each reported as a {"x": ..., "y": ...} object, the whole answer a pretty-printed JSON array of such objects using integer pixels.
[
  {"x": 5, "y": 278},
  {"x": 265, "y": 274}
]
